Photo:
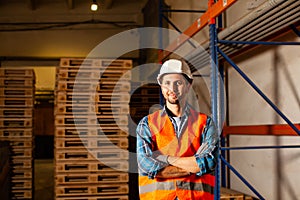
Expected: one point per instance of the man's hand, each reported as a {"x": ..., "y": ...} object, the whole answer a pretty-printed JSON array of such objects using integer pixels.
[
  {"x": 171, "y": 172},
  {"x": 188, "y": 164}
]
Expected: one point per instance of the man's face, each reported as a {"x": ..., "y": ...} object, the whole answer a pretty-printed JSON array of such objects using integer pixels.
[{"x": 174, "y": 88}]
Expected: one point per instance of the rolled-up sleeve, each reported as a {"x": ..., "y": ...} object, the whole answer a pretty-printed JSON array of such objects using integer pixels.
[
  {"x": 149, "y": 162},
  {"x": 207, "y": 154}
]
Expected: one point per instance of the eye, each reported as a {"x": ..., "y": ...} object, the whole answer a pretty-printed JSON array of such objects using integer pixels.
[
  {"x": 166, "y": 83},
  {"x": 178, "y": 83}
]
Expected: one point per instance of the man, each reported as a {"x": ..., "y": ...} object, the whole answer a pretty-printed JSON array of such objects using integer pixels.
[{"x": 176, "y": 146}]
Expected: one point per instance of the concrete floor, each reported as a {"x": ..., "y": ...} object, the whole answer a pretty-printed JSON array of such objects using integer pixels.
[{"x": 43, "y": 179}]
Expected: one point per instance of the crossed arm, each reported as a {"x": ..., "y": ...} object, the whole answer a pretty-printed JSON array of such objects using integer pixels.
[{"x": 178, "y": 167}]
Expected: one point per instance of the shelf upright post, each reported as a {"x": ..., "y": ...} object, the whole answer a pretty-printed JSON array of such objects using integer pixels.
[
  {"x": 160, "y": 41},
  {"x": 214, "y": 89}
]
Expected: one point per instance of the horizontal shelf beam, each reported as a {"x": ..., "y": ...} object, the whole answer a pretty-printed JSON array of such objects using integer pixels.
[
  {"x": 277, "y": 130},
  {"x": 211, "y": 13}
]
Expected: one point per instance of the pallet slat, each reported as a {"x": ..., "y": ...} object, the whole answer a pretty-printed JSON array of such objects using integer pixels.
[
  {"x": 84, "y": 178},
  {"x": 15, "y": 132},
  {"x": 93, "y": 166},
  {"x": 91, "y": 154},
  {"x": 102, "y": 189},
  {"x": 17, "y": 82},
  {"x": 22, "y": 163},
  {"x": 90, "y": 132},
  {"x": 22, "y": 173},
  {"x": 17, "y": 72},
  {"x": 15, "y": 112},
  {"x": 79, "y": 86},
  {"x": 21, "y": 184},
  {"x": 16, "y": 92},
  {"x": 95, "y": 63},
  {"x": 88, "y": 109},
  {"x": 108, "y": 197},
  {"x": 16, "y": 122},
  {"x": 21, "y": 153},
  {"x": 65, "y": 120},
  {"x": 99, "y": 142},
  {"x": 100, "y": 97},
  {"x": 16, "y": 102},
  {"x": 19, "y": 142}
]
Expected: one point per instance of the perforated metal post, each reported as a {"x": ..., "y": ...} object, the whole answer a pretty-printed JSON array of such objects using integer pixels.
[{"x": 214, "y": 94}]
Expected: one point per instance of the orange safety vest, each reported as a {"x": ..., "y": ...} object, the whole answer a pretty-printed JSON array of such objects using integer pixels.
[{"x": 190, "y": 187}]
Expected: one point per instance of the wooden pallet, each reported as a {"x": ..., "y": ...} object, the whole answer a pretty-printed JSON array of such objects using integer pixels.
[
  {"x": 229, "y": 194},
  {"x": 65, "y": 120},
  {"x": 17, "y": 82},
  {"x": 23, "y": 153},
  {"x": 113, "y": 97},
  {"x": 16, "y": 132},
  {"x": 80, "y": 62},
  {"x": 84, "y": 178},
  {"x": 90, "y": 109},
  {"x": 108, "y": 197},
  {"x": 109, "y": 86},
  {"x": 16, "y": 92},
  {"x": 97, "y": 142},
  {"x": 22, "y": 163},
  {"x": 77, "y": 73},
  {"x": 91, "y": 97},
  {"x": 116, "y": 74},
  {"x": 21, "y": 173},
  {"x": 71, "y": 97},
  {"x": 20, "y": 142},
  {"x": 15, "y": 112},
  {"x": 69, "y": 109},
  {"x": 112, "y": 109},
  {"x": 118, "y": 63},
  {"x": 110, "y": 73},
  {"x": 16, "y": 122},
  {"x": 17, "y": 72},
  {"x": 21, "y": 194},
  {"x": 16, "y": 102},
  {"x": 84, "y": 154},
  {"x": 78, "y": 86},
  {"x": 90, "y": 132},
  {"x": 91, "y": 189},
  {"x": 21, "y": 184},
  {"x": 80, "y": 166},
  {"x": 94, "y": 62}
]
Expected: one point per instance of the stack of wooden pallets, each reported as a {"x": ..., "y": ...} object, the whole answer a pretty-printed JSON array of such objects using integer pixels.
[
  {"x": 91, "y": 134},
  {"x": 144, "y": 100},
  {"x": 17, "y": 88}
]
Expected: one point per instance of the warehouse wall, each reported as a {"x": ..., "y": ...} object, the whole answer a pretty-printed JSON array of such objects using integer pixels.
[
  {"x": 274, "y": 173},
  {"x": 52, "y": 44},
  {"x": 77, "y": 32}
]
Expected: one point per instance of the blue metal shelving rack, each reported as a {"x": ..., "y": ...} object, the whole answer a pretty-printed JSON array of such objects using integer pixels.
[{"x": 217, "y": 97}]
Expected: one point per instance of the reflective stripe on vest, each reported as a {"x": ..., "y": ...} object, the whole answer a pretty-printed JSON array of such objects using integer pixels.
[{"x": 165, "y": 141}]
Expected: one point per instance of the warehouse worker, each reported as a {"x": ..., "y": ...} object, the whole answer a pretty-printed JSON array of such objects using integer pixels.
[{"x": 176, "y": 146}]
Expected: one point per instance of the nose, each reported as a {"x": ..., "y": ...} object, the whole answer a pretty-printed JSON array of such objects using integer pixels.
[{"x": 173, "y": 87}]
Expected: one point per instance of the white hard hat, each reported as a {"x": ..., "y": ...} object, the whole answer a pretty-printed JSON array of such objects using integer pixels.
[{"x": 174, "y": 66}]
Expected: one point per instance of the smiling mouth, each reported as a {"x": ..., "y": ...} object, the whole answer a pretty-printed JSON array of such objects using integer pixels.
[{"x": 173, "y": 96}]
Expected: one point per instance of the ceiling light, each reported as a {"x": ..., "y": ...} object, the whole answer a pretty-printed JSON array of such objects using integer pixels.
[{"x": 94, "y": 6}]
